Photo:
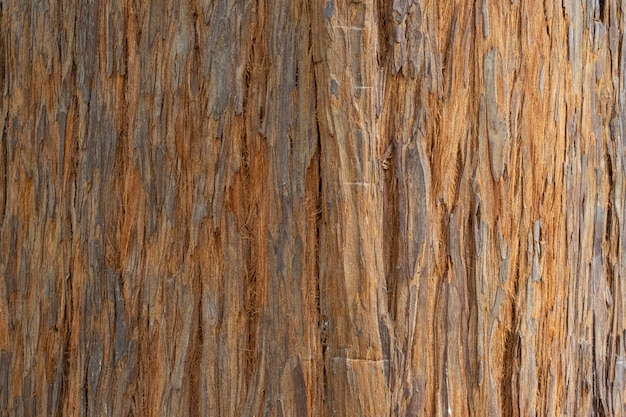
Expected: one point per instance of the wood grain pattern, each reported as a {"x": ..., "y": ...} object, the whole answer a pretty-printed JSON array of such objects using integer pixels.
[{"x": 292, "y": 208}]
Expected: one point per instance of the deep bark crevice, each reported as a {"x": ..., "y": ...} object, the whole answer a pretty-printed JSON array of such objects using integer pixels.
[
  {"x": 391, "y": 226},
  {"x": 4, "y": 169},
  {"x": 322, "y": 320},
  {"x": 508, "y": 372},
  {"x": 194, "y": 367}
]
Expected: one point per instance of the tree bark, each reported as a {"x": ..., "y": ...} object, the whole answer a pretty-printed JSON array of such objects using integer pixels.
[{"x": 291, "y": 208}]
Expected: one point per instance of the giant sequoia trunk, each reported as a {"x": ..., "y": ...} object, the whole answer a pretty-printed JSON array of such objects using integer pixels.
[{"x": 291, "y": 208}]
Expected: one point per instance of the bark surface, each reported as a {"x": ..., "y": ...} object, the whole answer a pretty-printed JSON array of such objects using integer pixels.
[{"x": 292, "y": 208}]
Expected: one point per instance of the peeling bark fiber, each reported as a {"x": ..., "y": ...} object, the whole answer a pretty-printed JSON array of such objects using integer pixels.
[{"x": 312, "y": 208}]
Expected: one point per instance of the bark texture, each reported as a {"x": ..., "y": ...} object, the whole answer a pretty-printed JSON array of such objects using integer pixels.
[{"x": 292, "y": 208}]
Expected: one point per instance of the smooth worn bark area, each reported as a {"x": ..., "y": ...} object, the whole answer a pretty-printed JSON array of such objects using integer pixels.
[{"x": 292, "y": 208}]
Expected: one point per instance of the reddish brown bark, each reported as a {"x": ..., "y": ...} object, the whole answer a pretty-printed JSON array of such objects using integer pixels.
[{"x": 243, "y": 208}]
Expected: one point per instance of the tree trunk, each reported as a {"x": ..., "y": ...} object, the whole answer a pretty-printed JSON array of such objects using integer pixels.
[{"x": 291, "y": 208}]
